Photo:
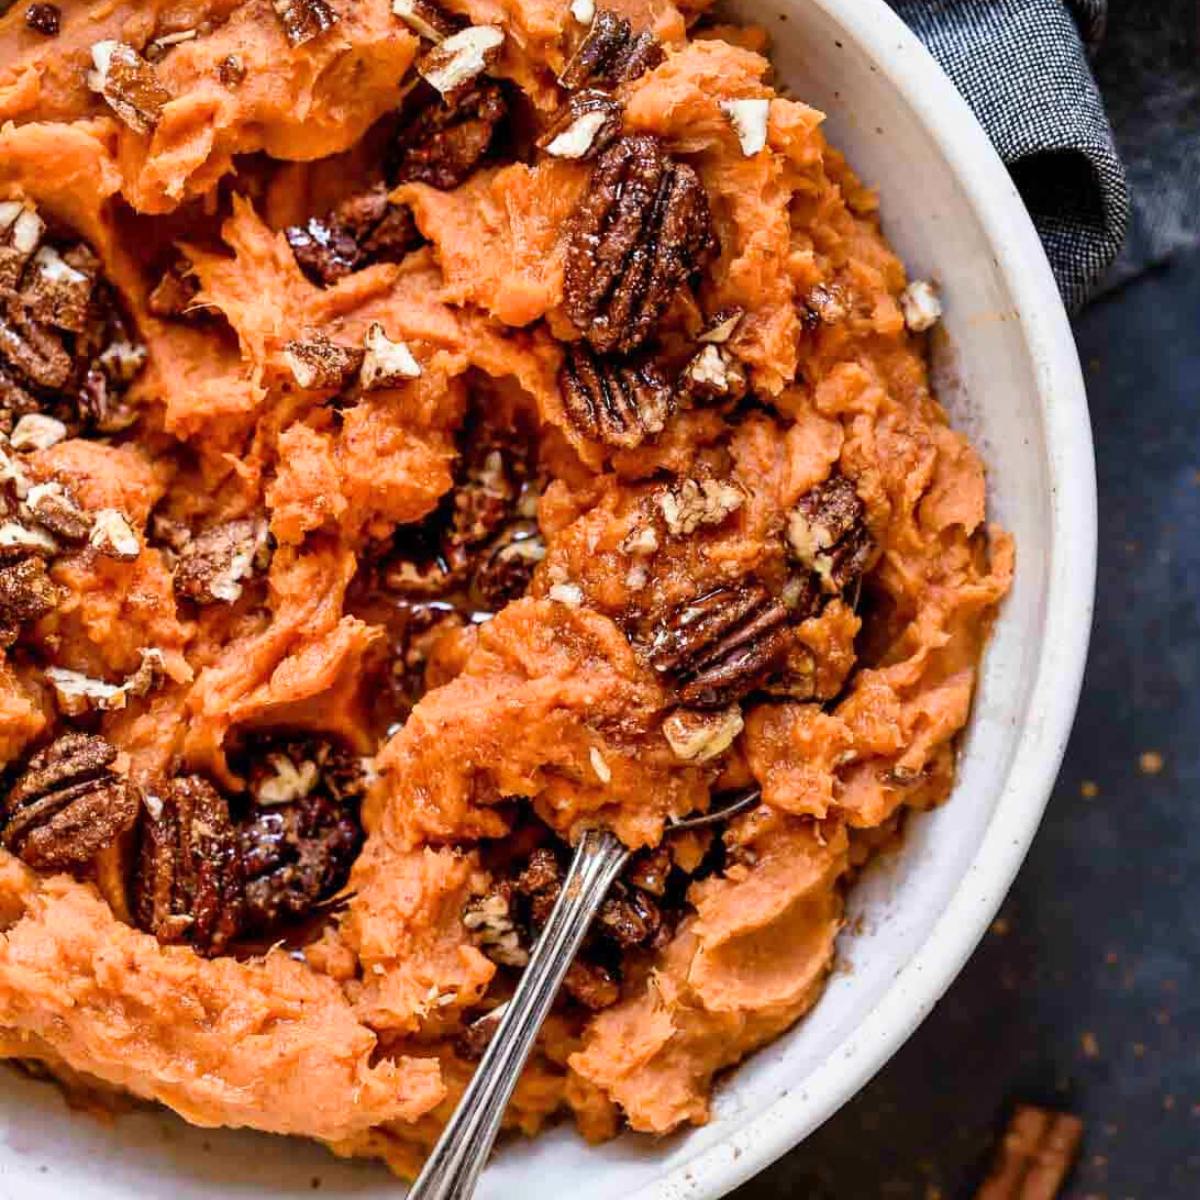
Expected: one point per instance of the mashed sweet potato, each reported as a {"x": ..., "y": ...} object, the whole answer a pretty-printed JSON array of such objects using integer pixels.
[{"x": 383, "y": 339}]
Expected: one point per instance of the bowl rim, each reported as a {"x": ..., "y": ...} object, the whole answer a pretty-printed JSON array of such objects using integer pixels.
[{"x": 901, "y": 57}]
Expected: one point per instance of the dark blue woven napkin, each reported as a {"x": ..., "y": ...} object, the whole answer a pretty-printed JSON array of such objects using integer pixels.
[{"x": 1023, "y": 66}]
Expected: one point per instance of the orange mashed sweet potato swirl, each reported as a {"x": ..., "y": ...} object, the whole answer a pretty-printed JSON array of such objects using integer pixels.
[{"x": 550, "y": 714}]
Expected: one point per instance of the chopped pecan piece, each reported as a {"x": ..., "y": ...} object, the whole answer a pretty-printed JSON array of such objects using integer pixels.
[
  {"x": 505, "y": 572},
  {"x": 215, "y": 564},
  {"x": 68, "y": 804},
  {"x": 303, "y": 20},
  {"x": 231, "y": 71},
  {"x": 460, "y": 59},
  {"x": 386, "y": 364},
  {"x": 57, "y": 291},
  {"x": 649, "y": 871},
  {"x": 611, "y": 53},
  {"x": 21, "y": 231},
  {"x": 629, "y": 917},
  {"x": 587, "y": 125},
  {"x": 712, "y": 374},
  {"x": 720, "y": 645},
  {"x": 129, "y": 84},
  {"x": 476, "y": 1037},
  {"x": 318, "y": 364},
  {"x": 15, "y": 401},
  {"x": 362, "y": 230},
  {"x": 188, "y": 886},
  {"x": 441, "y": 142},
  {"x": 294, "y": 856},
  {"x": 427, "y": 19},
  {"x": 721, "y": 326},
  {"x": 34, "y": 351},
  {"x": 827, "y": 532},
  {"x": 114, "y": 537},
  {"x": 699, "y": 735},
  {"x": 26, "y": 593},
  {"x": 592, "y": 984},
  {"x": 53, "y": 507},
  {"x": 36, "y": 431},
  {"x": 620, "y": 402},
  {"x": 490, "y": 919},
  {"x": 749, "y": 119},
  {"x": 18, "y": 540},
  {"x": 641, "y": 229},
  {"x": 44, "y": 19},
  {"x": 691, "y": 503},
  {"x": 172, "y": 296}
]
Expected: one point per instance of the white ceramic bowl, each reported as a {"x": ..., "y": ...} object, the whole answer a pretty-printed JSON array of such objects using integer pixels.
[{"x": 1010, "y": 376}]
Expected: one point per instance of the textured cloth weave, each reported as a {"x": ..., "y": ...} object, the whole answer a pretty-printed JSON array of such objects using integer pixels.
[{"x": 1023, "y": 67}]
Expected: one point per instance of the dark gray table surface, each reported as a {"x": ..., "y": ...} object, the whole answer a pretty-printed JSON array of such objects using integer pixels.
[{"x": 1083, "y": 996}]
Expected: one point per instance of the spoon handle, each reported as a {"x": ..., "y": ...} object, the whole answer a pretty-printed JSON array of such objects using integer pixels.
[{"x": 454, "y": 1166}]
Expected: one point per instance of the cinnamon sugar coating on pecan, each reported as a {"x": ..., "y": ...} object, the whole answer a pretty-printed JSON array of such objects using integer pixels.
[
  {"x": 720, "y": 645},
  {"x": 640, "y": 232},
  {"x": 26, "y": 593},
  {"x": 68, "y": 804},
  {"x": 620, "y": 402},
  {"x": 827, "y": 533},
  {"x": 441, "y": 142}
]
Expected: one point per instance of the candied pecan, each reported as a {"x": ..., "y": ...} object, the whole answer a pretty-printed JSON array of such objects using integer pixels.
[
  {"x": 441, "y": 142},
  {"x": 303, "y": 20},
  {"x": 44, "y": 19},
  {"x": 362, "y": 230},
  {"x": 15, "y": 401},
  {"x": 592, "y": 984},
  {"x": 541, "y": 873},
  {"x": 452, "y": 66},
  {"x": 505, "y": 572},
  {"x": 586, "y": 125},
  {"x": 172, "y": 296},
  {"x": 712, "y": 374},
  {"x": 649, "y": 871},
  {"x": 231, "y": 70},
  {"x": 215, "y": 564},
  {"x": 720, "y": 645},
  {"x": 485, "y": 492},
  {"x": 1035, "y": 1155},
  {"x": 629, "y": 917},
  {"x": 56, "y": 289},
  {"x": 317, "y": 363},
  {"x": 26, "y": 593},
  {"x": 611, "y": 53},
  {"x": 188, "y": 885},
  {"x": 294, "y": 856},
  {"x": 54, "y": 508},
  {"x": 827, "y": 532},
  {"x": 19, "y": 540},
  {"x": 698, "y": 735},
  {"x": 129, "y": 84},
  {"x": 34, "y": 351},
  {"x": 689, "y": 504},
  {"x": 640, "y": 231},
  {"x": 620, "y": 402},
  {"x": 68, "y": 804},
  {"x": 427, "y": 19}
]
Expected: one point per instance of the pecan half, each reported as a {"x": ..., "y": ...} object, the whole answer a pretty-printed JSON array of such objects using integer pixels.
[
  {"x": 188, "y": 886},
  {"x": 642, "y": 228},
  {"x": 720, "y": 645},
  {"x": 294, "y": 856},
  {"x": 827, "y": 532},
  {"x": 362, "y": 230},
  {"x": 611, "y": 53},
  {"x": 441, "y": 142},
  {"x": 214, "y": 565},
  {"x": 617, "y": 401},
  {"x": 303, "y": 20},
  {"x": 68, "y": 804}
]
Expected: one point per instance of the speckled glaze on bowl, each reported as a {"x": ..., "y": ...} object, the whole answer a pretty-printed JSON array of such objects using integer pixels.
[{"x": 1009, "y": 373}]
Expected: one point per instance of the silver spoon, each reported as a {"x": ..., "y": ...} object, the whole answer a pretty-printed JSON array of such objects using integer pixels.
[{"x": 453, "y": 1168}]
